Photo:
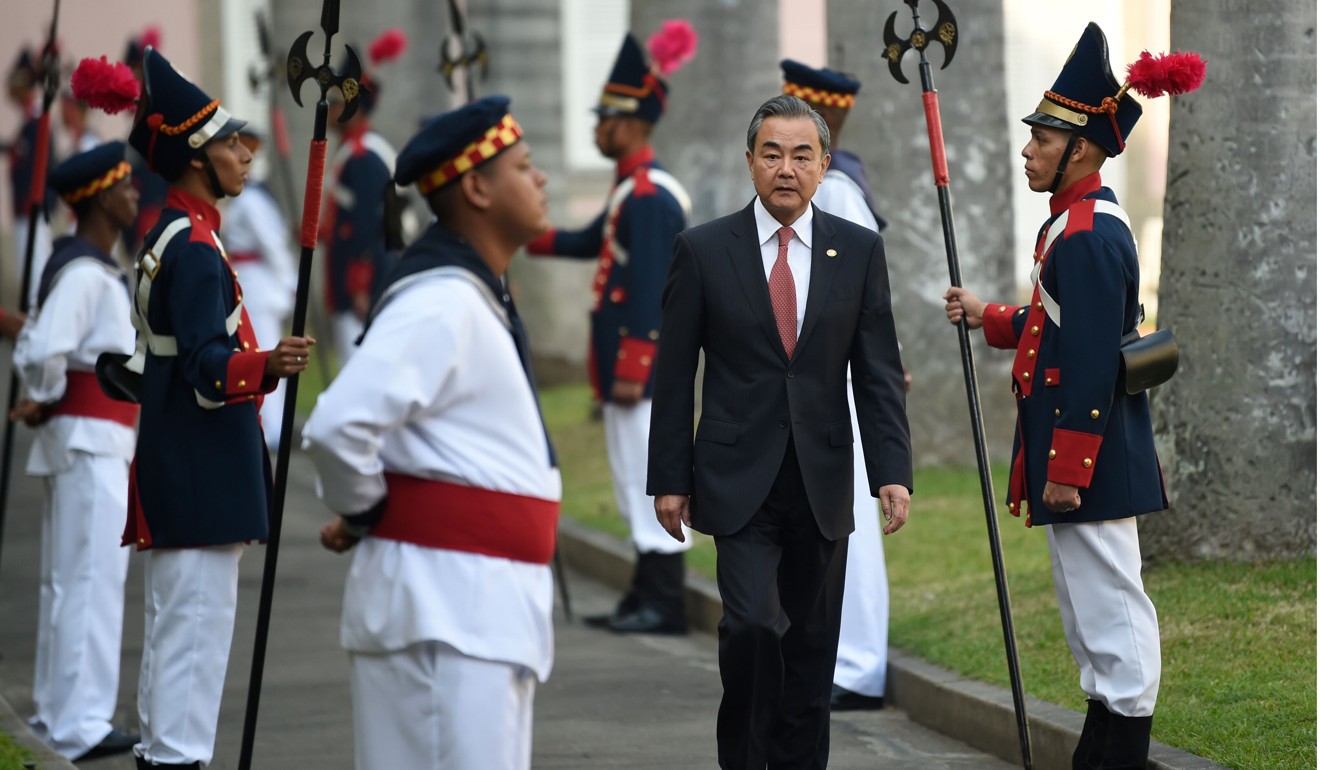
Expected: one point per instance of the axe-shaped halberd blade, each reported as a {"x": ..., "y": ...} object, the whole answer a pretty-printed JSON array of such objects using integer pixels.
[
  {"x": 349, "y": 82},
  {"x": 944, "y": 32}
]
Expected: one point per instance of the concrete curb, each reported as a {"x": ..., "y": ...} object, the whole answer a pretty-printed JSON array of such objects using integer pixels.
[
  {"x": 17, "y": 728},
  {"x": 978, "y": 714}
]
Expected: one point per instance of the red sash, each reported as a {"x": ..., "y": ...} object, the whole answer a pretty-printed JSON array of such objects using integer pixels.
[
  {"x": 438, "y": 514},
  {"x": 83, "y": 397}
]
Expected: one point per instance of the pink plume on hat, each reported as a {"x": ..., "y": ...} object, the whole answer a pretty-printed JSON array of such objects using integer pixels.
[
  {"x": 673, "y": 45},
  {"x": 150, "y": 37},
  {"x": 105, "y": 86},
  {"x": 388, "y": 46},
  {"x": 1172, "y": 73}
]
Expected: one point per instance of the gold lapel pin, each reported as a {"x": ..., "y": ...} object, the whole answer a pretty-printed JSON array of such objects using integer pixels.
[{"x": 831, "y": 253}]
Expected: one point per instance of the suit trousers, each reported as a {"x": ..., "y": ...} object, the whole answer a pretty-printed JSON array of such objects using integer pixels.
[{"x": 781, "y": 582}]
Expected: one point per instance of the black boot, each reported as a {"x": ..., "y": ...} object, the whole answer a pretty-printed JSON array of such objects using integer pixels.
[
  {"x": 1127, "y": 743},
  {"x": 143, "y": 764},
  {"x": 661, "y": 609},
  {"x": 627, "y": 605},
  {"x": 1092, "y": 744}
]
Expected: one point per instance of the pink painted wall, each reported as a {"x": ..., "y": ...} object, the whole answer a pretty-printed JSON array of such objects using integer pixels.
[
  {"x": 802, "y": 31},
  {"x": 91, "y": 28}
]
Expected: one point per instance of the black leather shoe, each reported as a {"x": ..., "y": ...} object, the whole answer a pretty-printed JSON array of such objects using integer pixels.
[
  {"x": 846, "y": 700},
  {"x": 143, "y": 764},
  {"x": 598, "y": 621},
  {"x": 115, "y": 742},
  {"x": 647, "y": 620}
]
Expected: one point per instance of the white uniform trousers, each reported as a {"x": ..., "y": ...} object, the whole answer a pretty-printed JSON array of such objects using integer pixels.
[
  {"x": 864, "y": 629},
  {"x": 627, "y": 433},
  {"x": 81, "y": 616},
  {"x": 40, "y": 253},
  {"x": 347, "y": 329},
  {"x": 1108, "y": 619},
  {"x": 191, "y": 597},
  {"x": 269, "y": 328},
  {"x": 430, "y": 707}
]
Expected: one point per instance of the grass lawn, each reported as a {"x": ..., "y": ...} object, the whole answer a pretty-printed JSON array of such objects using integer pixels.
[
  {"x": 1239, "y": 640},
  {"x": 12, "y": 755}
]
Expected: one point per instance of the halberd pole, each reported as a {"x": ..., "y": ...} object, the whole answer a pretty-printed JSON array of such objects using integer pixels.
[{"x": 945, "y": 32}]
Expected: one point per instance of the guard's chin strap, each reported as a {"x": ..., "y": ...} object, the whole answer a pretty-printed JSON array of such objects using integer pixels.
[
  {"x": 1063, "y": 162},
  {"x": 214, "y": 178}
]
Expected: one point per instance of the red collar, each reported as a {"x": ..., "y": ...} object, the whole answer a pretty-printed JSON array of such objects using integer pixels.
[
  {"x": 1061, "y": 200},
  {"x": 197, "y": 209},
  {"x": 635, "y": 161},
  {"x": 356, "y": 132}
]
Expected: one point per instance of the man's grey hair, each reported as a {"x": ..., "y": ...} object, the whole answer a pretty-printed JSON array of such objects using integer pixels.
[{"x": 785, "y": 106}]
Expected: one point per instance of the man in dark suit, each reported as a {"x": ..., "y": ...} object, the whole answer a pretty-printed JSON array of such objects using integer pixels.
[{"x": 781, "y": 297}]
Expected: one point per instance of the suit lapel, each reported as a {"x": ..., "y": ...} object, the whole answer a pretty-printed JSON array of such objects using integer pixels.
[
  {"x": 745, "y": 253},
  {"x": 825, "y": 260}
]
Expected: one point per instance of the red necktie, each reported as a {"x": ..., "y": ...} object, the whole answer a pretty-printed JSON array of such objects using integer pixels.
[{"x": 783, "y": 294}]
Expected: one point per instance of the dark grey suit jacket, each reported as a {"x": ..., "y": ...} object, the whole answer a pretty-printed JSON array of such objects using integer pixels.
[{"x": 717, "y": 300}]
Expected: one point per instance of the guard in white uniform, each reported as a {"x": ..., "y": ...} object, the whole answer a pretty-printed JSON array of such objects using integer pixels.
[
  {"x": 859, "y": 670},
  {"x": 82, "y": 448},
  {"x": 256, "y": 237},
  {"x": 445, "y": 472}
]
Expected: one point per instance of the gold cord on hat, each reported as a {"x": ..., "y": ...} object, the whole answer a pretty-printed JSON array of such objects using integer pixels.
[{"x": 103, "y": 182}]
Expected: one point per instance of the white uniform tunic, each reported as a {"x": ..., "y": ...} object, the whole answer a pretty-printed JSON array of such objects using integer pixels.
[
  {"x": 436, "y": 391},
  {"x": 864, "y": 628},
  {"x": 256, "y": 238},
  {"x": 85, "y": 463}
]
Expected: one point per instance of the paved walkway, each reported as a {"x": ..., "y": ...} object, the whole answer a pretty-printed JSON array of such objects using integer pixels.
[{"x": 612, "y": 702}]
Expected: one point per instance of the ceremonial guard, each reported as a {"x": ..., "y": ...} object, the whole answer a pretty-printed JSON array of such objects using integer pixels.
[
  {"x": 257, "y": 238},
  {"x": 1084, "y": 460},
  {"x": 82, "y": 448},
  {"x": 200, "y": 479},
  {"x": 354, "y": 227},
  {"x": 24, "y": 87},
  {"x": 859, "y": 671},
  {"x": 444, "y": 470},
  {"x": 632, "y": 241}
]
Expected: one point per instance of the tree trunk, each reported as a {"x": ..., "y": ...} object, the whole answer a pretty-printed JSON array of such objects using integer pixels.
[{"x": 1237, "y": 424}]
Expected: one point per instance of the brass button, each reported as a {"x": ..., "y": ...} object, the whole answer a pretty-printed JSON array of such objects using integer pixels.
[
  {"x": 246, "y": 346},
  {"x": 1021, "y": 310},
  {"x": 218, "y": 386},
  {"x": 1086, "y": 462},
  {"x": 1012, "y": 506},
  {"x": 655, "y": 335},
  {"x": 1095, "y": 414},
  {"x": 1003, "y": 308},
  {"x": 142, "y": 541},
  {"x": 1057, "y": 413},
  {"x": 1049, "y": 380},
  {"x": 242, "y": 383},
  {"x": 1035, "y": 331},
  {"x": 1027, "y": 376},
  {"x": 1040, "y": 306},
  {"x": 1031, "y": 354},
  {"x": 1053, "y": 454},
  {"x": 646, "y": 360}
]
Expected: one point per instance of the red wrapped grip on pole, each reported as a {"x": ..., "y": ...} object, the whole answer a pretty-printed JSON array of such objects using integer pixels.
[
  {"x": 936, "y": 130},
  {"x": 37, "y": 192},
  {"x": 311, "y": 220}
]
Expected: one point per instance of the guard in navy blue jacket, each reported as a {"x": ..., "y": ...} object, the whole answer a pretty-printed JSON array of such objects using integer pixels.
[
  {"x": 1084, "y": 458},
  {"x": 200, "y": 481},
  {"x": 632, "y": 240}
]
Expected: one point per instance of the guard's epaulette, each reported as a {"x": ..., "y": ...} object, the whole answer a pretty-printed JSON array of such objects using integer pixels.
[
  {"x": 1081, "y": 217},
  {"x": 642, "y": 184}
]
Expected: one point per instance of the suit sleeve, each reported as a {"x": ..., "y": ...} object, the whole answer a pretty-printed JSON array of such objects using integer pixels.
[
  {"x": 579, "y": 244},
  {"x": 652, "y": 220},
  {"x": 669, "y": 461},
  {"x": 1091, "y": 288},
  {"x": 198, "y": 305},
  {"x": 877, "y": 370}
]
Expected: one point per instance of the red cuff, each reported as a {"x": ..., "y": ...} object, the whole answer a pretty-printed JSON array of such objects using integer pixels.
[
  {"x": 636, "y": 357},
  {"x": 357, "y": 279},
  {"x": 997, "y": 323},
  {"x": 543, "y": 243},
  {"x": 1072, "y": 457},
  {"x": 245, "y": 374}
]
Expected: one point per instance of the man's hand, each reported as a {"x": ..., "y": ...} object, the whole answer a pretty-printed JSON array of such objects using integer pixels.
[
  {"x": 627, "y": 392},
  {"x": 361, "y": 305},
  {"x": 673, "y": 511},
  {"x": 10, "y": 322},
  {"x": 30, "y": 412},
  {"x": 961, "y": 304},
  {"x": 894, "y": 504},
  {"x": 335, "y": 538},
  {"x": 1061, "y": 498},
  {"x": 289, "y": 357}
]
